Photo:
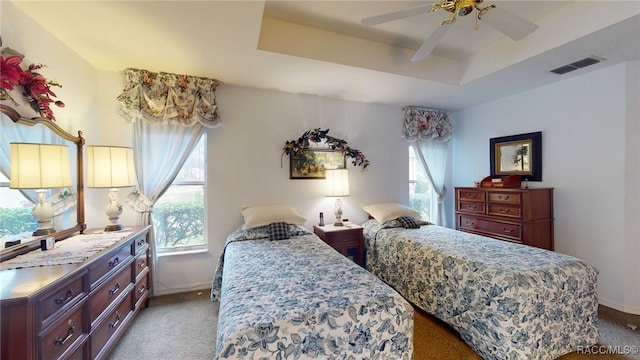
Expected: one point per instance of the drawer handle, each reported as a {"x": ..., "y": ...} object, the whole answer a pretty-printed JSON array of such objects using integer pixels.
[
  {"x": 142, "y": 289},
  {"x": 472, "y": 207},
  {"x": 508, "y": 231},
  {"x": 471, "y": 223},
  {"x": 115, "y": 323},
  {"x": 61, "y": 301},
  {"x": 504, "y": 211},
  {"x": 116, "y": 289},
  {"x": 141, "y": 263},
  {"x": 60, "y": 341},
  {"x": 471, "y": 196},
  {"x": 114, "y": 262},
  {"x": 503, "y": 197}
]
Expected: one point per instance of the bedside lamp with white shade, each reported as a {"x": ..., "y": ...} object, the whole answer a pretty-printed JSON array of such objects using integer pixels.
[
  {"x": 111, "y": 167},
  {"x": 337, "y": 185},
  {"x": 40, "y": 167}
]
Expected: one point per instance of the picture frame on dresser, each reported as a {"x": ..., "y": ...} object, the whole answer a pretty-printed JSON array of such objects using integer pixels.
[{"x": 517, "y": 155}]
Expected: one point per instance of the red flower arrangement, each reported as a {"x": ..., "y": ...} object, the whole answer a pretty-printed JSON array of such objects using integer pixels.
[{"x": 36, "y": 89}]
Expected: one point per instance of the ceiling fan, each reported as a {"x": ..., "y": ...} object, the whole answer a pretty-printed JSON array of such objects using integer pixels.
[{"x": 507, "y": 23}]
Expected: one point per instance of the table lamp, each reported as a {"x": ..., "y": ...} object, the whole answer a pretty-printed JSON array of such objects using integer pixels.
[
  {"x": 40, "y": 167},
  {"x": 337, "y": 185},
  {"x": 111, "y": 167}
]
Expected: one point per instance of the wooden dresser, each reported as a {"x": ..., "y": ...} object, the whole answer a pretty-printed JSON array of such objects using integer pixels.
[
  {"x": 75, "y": 311},
  {"x": 518, "y": 215}
]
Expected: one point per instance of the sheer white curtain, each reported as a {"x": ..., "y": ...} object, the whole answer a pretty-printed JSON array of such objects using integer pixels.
[
  {"x": 160, "y": 152},
  {"x": 170, "y": 113},
  {"x": 429, "y": 131}
]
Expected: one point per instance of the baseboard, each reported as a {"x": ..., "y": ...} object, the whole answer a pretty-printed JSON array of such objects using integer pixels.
[
  {"x": 619, "y": 307},
  {"x": 619, "y": 316},
  {"x": 191, "y": 287}
]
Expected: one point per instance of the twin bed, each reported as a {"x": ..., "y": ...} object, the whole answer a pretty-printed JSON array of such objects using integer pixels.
[{"x": 296, "y": 298}]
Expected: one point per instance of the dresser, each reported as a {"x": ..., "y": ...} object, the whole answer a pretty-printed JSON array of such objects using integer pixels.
[
  {"x": 347, "y": 240},
  {"x": 518, "y": 215},
  {"x": 75, "y": 311}
]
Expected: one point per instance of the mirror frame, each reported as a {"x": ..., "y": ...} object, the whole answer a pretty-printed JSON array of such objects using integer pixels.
[
  {"x": 534, "y": 140},
  {"x": 79, "y": 141}
]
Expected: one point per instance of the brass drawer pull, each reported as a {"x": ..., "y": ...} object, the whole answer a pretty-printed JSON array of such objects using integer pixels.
[
  {"x": 116, "y": 289},
  {"x": 503, "y": 197},
  {"x": 61, "y": 301},
  {"x": 504, "y": 211},
  {"x": 508, "y": 231},
  {"x": 60, "y": 341},
  {"x": 472, "y": 207},
  {"x": 115, "y": 323},
  {"x": 471, "y": 195},
  {"x": 471, "y": 223},
  {"x": 114, "y": 262},
  {"x": 142, "y": 289},
  {"x": 141, "y": 263}
]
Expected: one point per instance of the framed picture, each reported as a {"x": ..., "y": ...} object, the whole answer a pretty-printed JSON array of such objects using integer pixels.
[
  {"x": 312, "y": 164},
  {"x": 517, "y": 155}
]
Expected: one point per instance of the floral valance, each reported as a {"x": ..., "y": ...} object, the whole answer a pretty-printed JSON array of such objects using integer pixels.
[
  {"x": 163, "y": 98},
  {"x": 426, "y": 124}
]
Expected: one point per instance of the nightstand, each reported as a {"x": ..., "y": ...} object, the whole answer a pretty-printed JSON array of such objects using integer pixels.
[{"x": 348, "y": 240}]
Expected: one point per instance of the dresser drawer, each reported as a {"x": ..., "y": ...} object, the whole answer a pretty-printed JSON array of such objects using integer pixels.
[
  {"x": 140, "y": 244},
  {"x": 63, "y": 297},
  {"x": 341, "y": 238},
  {"x": 471, "y": 207},
  {"x": 109, "y": 291},
  {"x": 471, "y": 195},
  {"x": 503, "y": 230},
  {"x": 63, "y": 334},
  {"x": 110, "y": 263},
  {"x": 505, "y": 198},
  {"x": 140, "y": 263},
  {"x": 110, "y": 325},
  {"x": 513, "y": 211},
  {"x": 141, "y": 289},
  {"x": 467, "y": 222}
]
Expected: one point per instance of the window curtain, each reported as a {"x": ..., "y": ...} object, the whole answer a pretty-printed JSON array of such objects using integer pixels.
[
  {"x": 429, "y": 131},
  {"x": 61, "y": 199},
  {"x": 170, "y": 113}
]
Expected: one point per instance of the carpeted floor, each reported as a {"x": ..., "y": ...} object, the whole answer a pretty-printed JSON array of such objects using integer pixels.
[{"x": 183, "y": 326}]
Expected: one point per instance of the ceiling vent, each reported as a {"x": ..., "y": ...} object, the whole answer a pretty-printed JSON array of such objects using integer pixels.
[{"x": 577, "y": 65}]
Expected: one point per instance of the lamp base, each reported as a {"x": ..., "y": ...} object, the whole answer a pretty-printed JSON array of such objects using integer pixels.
[
  {"x": 338, "y": 223},
  {"x": 41, "y": 232},
  {"x": 116, "y": 227}
]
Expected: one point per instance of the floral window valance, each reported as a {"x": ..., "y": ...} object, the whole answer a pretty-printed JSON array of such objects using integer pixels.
[
  {"x": 426, "y": 124},
  {"x": 162, "y": 98}
]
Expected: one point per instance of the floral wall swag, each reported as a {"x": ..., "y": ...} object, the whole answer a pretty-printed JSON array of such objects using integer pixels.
[
  {"x": 35, "y": 88},
  {"x": 316, "y": 136}
]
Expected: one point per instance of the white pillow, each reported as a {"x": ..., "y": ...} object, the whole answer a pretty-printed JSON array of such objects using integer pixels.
[
  {"x": 255, "y": 216},
  {"x": 389, "y": 211}
]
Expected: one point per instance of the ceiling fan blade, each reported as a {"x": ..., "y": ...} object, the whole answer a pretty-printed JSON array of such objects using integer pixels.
[
  {"x": 379, "y": 19},
  {"x": 509, "y": 24},
  {"x": 428, "y": 46}
]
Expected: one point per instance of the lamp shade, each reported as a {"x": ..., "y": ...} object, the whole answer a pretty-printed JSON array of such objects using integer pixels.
[
  {"x": 39, "y": 166},
  {"x": 110, "y": 167},
  {"x": 337, "y": 182}
]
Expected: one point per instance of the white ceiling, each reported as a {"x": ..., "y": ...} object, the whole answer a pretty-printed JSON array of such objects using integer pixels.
[{"x": 320, "y": 48}]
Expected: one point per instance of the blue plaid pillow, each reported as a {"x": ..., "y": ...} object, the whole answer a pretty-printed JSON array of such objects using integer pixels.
[
  {"x": 408, "y": 222},
  {"x": 278, "y": 231}
]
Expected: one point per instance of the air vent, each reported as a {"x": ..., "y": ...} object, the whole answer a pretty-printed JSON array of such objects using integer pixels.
[{"x": 577, "y": 65}]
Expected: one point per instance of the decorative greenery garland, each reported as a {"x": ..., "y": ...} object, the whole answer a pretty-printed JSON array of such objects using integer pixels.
[{"x": 316, "y": 136}]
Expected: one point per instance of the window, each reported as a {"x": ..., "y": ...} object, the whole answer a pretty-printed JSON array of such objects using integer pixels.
[
  {"x": 16, "y": 212},
  {"x": 179, "y": 215},
  {"x": 422, "y": 197}
]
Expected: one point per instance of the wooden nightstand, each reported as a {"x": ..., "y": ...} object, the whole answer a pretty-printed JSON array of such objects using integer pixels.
[{"x": 348, "y": 240}]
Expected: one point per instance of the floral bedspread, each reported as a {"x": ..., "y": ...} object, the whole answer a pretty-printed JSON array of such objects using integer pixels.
[
  {"x": 300, "y": 299},
  {"x": 507, "y": 301}
]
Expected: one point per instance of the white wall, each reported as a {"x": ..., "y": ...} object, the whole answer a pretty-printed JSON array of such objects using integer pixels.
[{"x": 585, "y": 158}]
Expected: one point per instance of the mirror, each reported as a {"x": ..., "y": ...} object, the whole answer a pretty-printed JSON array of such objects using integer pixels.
[
  {"x": 517, "y": 155},
  {"x": 71, "y": 227}
]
